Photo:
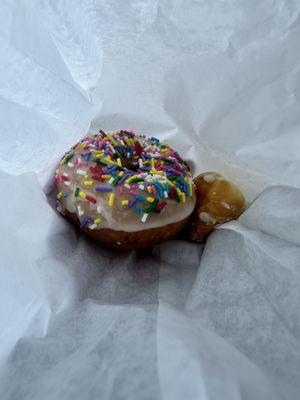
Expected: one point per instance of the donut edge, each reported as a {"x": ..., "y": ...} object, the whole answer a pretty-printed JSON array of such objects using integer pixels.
[{"x": 121, "y": 240}]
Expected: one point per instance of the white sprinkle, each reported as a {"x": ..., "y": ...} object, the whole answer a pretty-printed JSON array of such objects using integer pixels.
[
  {"x": 71, "y": 165},
  {"x": 80, "y": 211},
  {"x": 225, "y": 205},
  {"x": 80, "y": 172},
  {"x": 65, "y": 174},
  {"x": 141, "y": 187},
  {"x": 98, "y": 209},
  {"x": 144, "y": 217},
  {"x": 209, "y": 178},
  {"x": 79, "y": 160},
  {"x": 166, "y": 194},
  {"x": 207, "y": 219},
  {"x": 119, "y": 243},
  {"x": 128, "y": 154},
  {"x": 127, "y": 186},
  {"x": 112, "y": 149},
  {"x": 157, "y": 177},
  {"x": 140, "y": 163},
  {"x": 111, "y": 180},
  {"x": 93, "y": 226},
  {"x": 123, "y": 144},
  {"x": 67, "y": 183}
]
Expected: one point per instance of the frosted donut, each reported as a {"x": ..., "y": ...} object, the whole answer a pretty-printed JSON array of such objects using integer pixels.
[
  {"x": 124, "y": 189},
  {"x": 218, "y": 201}
]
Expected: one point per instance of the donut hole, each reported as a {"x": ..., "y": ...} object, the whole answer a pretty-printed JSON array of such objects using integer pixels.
[{"x": 130, "y": 164}]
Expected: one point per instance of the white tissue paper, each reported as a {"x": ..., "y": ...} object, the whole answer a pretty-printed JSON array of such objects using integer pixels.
[{"x": 220, "y": 81}]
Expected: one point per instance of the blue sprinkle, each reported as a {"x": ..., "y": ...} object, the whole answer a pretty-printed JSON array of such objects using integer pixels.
[
  {"x": 88, "y": 156},
  {"x": 86, "y": 222},
  {"x": 159, "y": 189},
  {"x": 138, "y": 209},
  {"x": 131, "y": 203},
  {"x": 140, "y": 198}
]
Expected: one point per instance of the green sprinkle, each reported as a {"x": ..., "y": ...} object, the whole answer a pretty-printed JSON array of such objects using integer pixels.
[
  {"x": 135, "y": 180},
  {"x": 151, "y": 210},
  {"x": 116, "y": 180},
  {"x": 177, "y": 198},
  {"x": 154, "y": 203},
  {"x": 76, "y": 191},
  {"x": 68, "y": 158},
  {"x": 100, "y": 162},
  {"x": 167, "y": 160}
]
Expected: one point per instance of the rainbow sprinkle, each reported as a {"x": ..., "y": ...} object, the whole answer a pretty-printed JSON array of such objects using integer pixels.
[{"x": 139, "y": 174}]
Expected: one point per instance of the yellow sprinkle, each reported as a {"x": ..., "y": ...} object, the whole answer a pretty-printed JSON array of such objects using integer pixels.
[
  {"x": 59, "y": 195},
  {"x": 108, "y": 159},
  {"x": 111, "y": 200},
  {"x": 86, "y": 176},
  {"x": 88, "y": 183},
  {"x": 82, "y": 194},
  {"x": 190, "y": 188},
  {"x": 149, "y": 189},
  {"x": 127, "y": 141},
  {"x": 129, "y": 179},
  {"x": 119, "y": 162},
  {"x": 165, "y": 151},
  {"x": 178, "y": 191},
  {"x": 152, "y": 162},
  {"x": 169, "y": 182},
  {"x": 183, "y": 198},
  {"x": 97, "y": 220},
  {"x": 121, "y": 173},
  {"x": 106, "y": 176},
  {"x": 150, "y": 199},
  {"x": 124, "y": 202},
  {"x": 98, "y": 153},
  {"x": 158, "y": 172}
]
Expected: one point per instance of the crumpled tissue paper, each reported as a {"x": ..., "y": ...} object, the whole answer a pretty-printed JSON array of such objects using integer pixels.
[{"x": 220, "y": 81}]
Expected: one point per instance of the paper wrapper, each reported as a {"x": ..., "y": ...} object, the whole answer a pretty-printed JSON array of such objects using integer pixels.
[{"x": 219, "y": 80}]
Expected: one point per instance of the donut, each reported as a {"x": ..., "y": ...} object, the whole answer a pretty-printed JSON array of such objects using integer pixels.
[
  {"x": 218, "y": 201},
  {"x": 124, "y": 189}
]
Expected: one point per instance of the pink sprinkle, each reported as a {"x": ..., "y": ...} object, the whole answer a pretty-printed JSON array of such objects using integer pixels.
[
  {"x": 132, "y": 192},
  {"x": 133, "y": 186},
  {"x": 120, "y": 190},
  {"x": 58, "y": 179}
]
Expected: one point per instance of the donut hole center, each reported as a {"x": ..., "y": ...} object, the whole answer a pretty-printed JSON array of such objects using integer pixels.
[{"x": 130, "y": 164}]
